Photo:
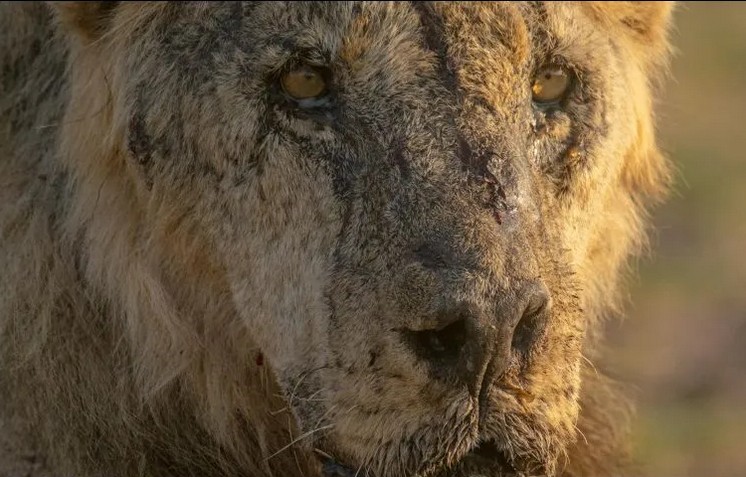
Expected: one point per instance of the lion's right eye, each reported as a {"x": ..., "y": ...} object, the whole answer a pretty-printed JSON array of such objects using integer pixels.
[
  {"x": 304, "y": 83},
  {"x": 551, "y": 84}
]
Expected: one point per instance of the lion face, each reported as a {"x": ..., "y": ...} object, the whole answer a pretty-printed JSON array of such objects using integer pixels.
[{"x": 415, "y": 210}]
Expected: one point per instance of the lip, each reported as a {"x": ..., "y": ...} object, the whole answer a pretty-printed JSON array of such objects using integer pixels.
[
  {"x": 333, "y": 469},
  {"x": 486, "y": 456},
  {"x": 486, "y": 459},
  {"x": 488, "y": 450}
]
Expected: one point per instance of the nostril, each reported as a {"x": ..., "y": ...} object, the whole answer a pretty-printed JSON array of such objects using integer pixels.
[
  {"x": 442, "y": 345},
  {"x": 537, "y": 303},
  {"x": 532, "y": 322}
]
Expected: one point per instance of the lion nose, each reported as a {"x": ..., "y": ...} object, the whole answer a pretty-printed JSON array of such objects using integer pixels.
[
  {"x": 465, "y": 339},
  {"x": 533, "y": 317}
]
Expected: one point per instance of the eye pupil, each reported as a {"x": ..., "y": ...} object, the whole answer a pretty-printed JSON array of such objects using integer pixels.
[
  {"x": 551, "y": 85},
  {"x": 304, "y": 82}
]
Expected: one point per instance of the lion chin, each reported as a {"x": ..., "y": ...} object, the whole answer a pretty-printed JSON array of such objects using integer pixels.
[
  {"x": 484, "y": 460},
  {"x": 518, "y": 446}
]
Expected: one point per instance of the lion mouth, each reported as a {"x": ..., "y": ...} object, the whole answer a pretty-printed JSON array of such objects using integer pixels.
[
  {"x": 485, "y": 459},
  {"x": 331, "y": 468},
  {"x": 488, "y": 450}
]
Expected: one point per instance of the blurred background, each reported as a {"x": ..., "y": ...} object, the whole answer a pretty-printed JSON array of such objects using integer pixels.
[{"x": 683, "y": 344}]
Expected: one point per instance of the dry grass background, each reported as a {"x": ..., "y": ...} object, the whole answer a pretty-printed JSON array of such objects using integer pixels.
[{"x": 684, "y": 342}]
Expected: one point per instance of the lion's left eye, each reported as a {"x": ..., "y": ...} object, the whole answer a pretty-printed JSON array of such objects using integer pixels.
[
  {"x": 551, "y": 85},
  {"x": 304, "y": 83}
]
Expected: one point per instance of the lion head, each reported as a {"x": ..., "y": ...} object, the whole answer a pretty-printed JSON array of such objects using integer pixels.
[{"x": 396, "y": 225}]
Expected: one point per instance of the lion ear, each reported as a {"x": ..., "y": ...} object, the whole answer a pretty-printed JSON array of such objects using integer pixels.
[
  {"x": 645, "y": 23},
  {"x": 88, "y": 20}
]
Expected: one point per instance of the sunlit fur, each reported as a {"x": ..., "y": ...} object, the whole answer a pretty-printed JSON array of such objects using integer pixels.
[{"x": 196, "y": 282}]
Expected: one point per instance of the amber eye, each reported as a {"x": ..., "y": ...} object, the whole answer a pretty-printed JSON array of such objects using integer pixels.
[
  {"x": 304, "y": 82},
  {"x": 551, "y": 84}
]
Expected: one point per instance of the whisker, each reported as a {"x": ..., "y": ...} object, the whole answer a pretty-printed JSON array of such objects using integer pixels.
[
  {"x": 300, "y": 380},
  {"x": 322, "y": 453},
  {"x": 298, "y": 439},
  {"x": 590, "y": 363},
  {"x": 581, "y": 433},
  {"x": 279, "y": 411},
  {"x": 324, "y": 416}
]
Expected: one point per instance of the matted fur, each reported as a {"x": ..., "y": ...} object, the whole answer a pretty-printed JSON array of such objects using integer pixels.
[{"x": 197, "y": 279}]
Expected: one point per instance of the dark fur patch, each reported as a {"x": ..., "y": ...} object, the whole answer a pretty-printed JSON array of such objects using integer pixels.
[
  {"x": 138, "y": 141},
  {"x": 434, "y": 35}
]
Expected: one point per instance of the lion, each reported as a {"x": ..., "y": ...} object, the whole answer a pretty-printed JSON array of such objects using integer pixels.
[{"x": 321, "y": 239}]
